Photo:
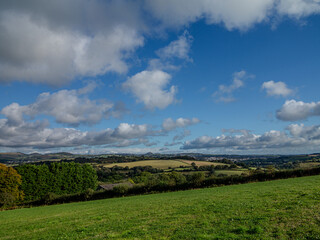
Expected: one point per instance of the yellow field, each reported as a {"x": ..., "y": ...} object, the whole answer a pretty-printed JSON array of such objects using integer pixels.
[
  {"x": 309, "y": 164},
  {"x": 162, "y": 164}
]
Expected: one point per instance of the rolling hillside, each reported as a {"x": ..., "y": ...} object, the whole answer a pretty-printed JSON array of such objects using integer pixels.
[{"x": 283, "y": 209}]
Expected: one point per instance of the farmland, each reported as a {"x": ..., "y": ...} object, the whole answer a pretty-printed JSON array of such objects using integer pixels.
[
  {"x": 282, "y": 209},
  {"x": 309, "y": 164},
  {"x": 163, "y": 164}
]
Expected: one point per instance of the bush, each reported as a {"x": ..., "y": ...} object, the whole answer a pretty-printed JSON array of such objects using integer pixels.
[
  {"x": 88, "y": 193},
  {"x": 7, "y": 199},
  {"x": 197, "y": 178},
  {"x": 49, "y": 197},
  {"x": 121, "y": 189}
]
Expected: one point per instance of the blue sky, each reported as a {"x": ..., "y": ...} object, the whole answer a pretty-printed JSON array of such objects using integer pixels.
[{"x": 224, "y": 77}]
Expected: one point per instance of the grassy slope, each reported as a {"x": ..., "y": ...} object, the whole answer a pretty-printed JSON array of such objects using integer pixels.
[
  {"x": 162, "y": 164},
  {"x": 283, "y": 209}
]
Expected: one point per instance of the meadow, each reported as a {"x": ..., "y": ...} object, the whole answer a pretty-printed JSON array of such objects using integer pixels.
[
  {"x": 282, "y": 209},
  {"x": 163, "y": 164}
]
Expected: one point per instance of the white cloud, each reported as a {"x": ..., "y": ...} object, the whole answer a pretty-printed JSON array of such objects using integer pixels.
[
  {"x": 177, "y": 49},
  {"x": 298, "y": 137},
  {"x": 149, "y": 88},
  {"x": 71, "y": 107},
  {"x": 233, "y": 14},
  {"x": 37, "y": 135},
  {"x": 125, "y": 130},
  {"x": 169, "y": 124},
  {"x": 170, "y": 55},
  {"x": 298, "y": 8},
  {"x": 276, "y": 89},
  {"x": 293, "y": 110},
  {"x": 55, "y": 42},
  {"x": 225, "y": 92}
]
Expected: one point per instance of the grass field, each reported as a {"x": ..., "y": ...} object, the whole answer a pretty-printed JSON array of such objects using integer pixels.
[
  {"x": 283, "y": 209},
  {"x": 163, "y": 164}
]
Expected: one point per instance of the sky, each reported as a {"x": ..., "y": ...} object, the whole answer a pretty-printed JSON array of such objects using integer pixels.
[{"x": 161, "y": 76}]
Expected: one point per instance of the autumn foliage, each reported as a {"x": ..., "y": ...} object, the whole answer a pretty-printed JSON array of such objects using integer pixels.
[{"x": 10, "y": 182}]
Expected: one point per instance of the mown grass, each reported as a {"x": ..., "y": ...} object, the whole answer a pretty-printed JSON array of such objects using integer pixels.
[
  {"x": 163, "y": 164},
  {"x": 282, "y": 209}
]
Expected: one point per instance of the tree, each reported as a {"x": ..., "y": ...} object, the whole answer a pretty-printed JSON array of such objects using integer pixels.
[
  {"x": 10, "y": 182},
  {"x": 194, "y": 166}
]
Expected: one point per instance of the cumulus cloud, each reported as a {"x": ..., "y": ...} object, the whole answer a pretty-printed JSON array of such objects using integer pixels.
[
  {"x": 57, "y": 41},
  {"x": 177, "y": 49},
  {"x": 71, "y": 107},
  {"x": 21, "y": 133},
  {"x": 293, "y": 110},
  {"x": 225, "y": 92},
  {"x": 170, "y": 56},
  {"x": 298, "y": 8},
  {"x": 149, "y": 87},
  {"x": 169, "y": 124},
  {"x": 38, "y": 135},
  {"x": 233, "y": 14},
  {"x": 296, "y": 136},
  {"x": 276, "y": 89}
]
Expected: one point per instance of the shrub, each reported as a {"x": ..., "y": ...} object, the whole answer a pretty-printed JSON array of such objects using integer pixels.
[
  {"x": 88, "y": 193},
  {"x": 121, "y": 189},
  {"x": 49, "y": 197}
]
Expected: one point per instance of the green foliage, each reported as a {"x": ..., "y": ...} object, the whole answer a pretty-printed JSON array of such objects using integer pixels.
[
  {"x": 121, "y": 189},
  {"x": 196, "y": 178},
  {"x": 88, "y": 193},
  {"x": 58, "y": 178},
  {"x": 49, "y": 197},
  {"x": 164, "y": 179},
  {"x": 10, "y": 182}
]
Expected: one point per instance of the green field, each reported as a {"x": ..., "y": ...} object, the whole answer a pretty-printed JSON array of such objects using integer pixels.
[
  {"x": 162, "y": 164},
  {"x": 283, "y": 209},
  {"x": 230, "y": 172}
]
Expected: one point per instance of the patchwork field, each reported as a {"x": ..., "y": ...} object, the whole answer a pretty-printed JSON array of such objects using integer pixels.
[
  {"x": 163, "y": 164},
  {"x": 309, "y": 164},
  {"x": 283, "y": 209}
]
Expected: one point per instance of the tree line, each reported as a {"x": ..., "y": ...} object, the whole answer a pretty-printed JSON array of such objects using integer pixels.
[
  {"x": 70, "y": 182},
  {"x": 30, "y": 182}
]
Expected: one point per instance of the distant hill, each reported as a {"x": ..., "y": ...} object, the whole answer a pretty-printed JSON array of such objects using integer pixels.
[{"x": 12, "y": 157}]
